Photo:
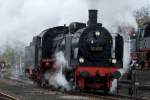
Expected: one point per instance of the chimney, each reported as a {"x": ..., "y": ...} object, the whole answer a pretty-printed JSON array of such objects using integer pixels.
[{"x": 92, "y": 17}]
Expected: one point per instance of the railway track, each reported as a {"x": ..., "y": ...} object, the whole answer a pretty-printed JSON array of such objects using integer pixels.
[
  {"x": 28, "y": 93},
  {"x": 104, "y": 97},
  {"x": 112, "y": 97},
  {"x": 4, "y": 96}
]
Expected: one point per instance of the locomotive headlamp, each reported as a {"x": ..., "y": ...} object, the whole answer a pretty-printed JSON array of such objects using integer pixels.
[
  {"x": 134, "y": 34},
  {"x": 92, "y": 41},
  {"x": 114, "y": 61},
  {"x": 81, "y": 60},
  {"x": 47, "y": 64},
  {"x": 97, "y": 33},
  {"x": 136, "y": 65}
]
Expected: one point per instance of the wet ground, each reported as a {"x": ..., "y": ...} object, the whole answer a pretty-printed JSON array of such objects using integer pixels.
[
  {"x": 14, "y": 83},
  {"x": 25, "y": 91},
  {"x": 19, "y": 86}
]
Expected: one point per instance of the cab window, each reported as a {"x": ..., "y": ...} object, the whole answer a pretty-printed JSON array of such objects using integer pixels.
[{"x": 146, "y": 33}]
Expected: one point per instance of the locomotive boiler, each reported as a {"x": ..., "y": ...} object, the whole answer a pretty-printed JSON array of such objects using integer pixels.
[{"x": 88, "y": 49}]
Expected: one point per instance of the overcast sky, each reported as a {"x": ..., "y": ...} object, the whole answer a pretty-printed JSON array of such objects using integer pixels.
[{"x": 22, "y": 19}]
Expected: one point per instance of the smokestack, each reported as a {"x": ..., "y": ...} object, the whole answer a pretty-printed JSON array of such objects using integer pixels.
[{"x": 92, "y": 17}]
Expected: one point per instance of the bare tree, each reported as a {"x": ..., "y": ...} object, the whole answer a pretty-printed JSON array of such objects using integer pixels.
[{"x": 142, "y": 15}]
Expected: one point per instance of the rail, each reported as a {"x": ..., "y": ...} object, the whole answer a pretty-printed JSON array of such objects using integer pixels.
[{"x": 4, "y": 96}]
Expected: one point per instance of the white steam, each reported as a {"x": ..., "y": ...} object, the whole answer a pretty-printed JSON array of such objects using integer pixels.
[
  {"x": 57, "y": 78},
  {"x": 60, "y": 60},
  {"x": 126, "y": 62},
  {"x": 25, "y": 18},
  {"x": 114, "y": 86},
  {"x": 126, "y": 59}
]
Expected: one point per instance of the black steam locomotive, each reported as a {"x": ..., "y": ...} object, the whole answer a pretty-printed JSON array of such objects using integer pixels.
[
  {"x": 140, "y": 47},
  {"x": 88, "y": 49}
]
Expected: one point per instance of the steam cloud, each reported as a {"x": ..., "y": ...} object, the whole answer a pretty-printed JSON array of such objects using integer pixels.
[
  {"x": 126, "y": 61},
  {"x": 57, "y": 78},
  {"x": 25, "y": 18},
  {"x": 114, "y": 86}
]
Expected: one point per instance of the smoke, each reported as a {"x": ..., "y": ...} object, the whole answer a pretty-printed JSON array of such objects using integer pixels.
[
  {"x": 114, "y": 86},
  {"x": 60, "y": 60},
  {"x": 56, "y": 77},
  {"x": 16, "y": 72},
  {"x": 116, "y": 12},
  {"x": 26, "y": 18},
  {"x": 126, "y": 61}
]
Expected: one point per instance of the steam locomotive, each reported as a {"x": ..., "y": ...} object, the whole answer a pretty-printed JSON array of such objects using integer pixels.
[
  {"x": 140, "y": 51},
  {"x": 140, "y": 60},
  {"x": 92, "y": 53}
]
